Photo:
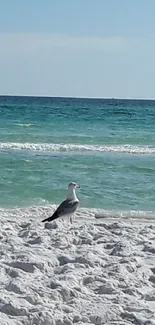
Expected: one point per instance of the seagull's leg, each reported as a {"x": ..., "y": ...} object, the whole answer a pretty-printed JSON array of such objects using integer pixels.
[
  {"x": 68, "y": 222},
  {"x": 65, "y": 222}
]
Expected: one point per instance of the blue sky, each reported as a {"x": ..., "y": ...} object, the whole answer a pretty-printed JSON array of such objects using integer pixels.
[{"x": 80, "y": 48}]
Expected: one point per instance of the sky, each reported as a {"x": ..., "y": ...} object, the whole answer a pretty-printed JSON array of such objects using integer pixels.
[{"x": 77, "y": 48}]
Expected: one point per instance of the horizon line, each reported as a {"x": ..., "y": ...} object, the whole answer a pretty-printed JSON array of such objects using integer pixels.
[{"x": 79, "y": 97}]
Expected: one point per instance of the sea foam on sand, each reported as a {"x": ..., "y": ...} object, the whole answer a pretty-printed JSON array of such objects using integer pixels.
[{"x": 97, "y": 271}]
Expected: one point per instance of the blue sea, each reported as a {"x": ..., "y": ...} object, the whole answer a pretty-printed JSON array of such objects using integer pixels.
[{"x": 105, "y": 145}]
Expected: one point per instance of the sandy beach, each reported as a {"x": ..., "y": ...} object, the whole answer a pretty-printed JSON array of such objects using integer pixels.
[{"x": 97, "y": 271}]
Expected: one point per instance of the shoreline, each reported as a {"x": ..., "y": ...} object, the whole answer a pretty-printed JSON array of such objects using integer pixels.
[{"x": 94, "y": 213}]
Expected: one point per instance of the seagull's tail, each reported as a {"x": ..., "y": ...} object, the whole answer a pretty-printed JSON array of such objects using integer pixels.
[{"x": 53, "y": 217}]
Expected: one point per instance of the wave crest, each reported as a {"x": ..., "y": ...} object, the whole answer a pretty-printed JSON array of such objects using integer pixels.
[{"x": 69, "y": 147}]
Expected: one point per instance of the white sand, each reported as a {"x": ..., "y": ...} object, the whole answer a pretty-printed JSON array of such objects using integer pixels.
[{"x": 101, "y": 271}]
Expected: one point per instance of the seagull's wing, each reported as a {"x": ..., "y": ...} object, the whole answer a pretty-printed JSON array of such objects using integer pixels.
[{"x": 66, "y": 207}]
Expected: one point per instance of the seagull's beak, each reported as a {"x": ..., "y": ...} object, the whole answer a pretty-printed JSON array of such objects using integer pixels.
[{"x": 77, "y": 185}]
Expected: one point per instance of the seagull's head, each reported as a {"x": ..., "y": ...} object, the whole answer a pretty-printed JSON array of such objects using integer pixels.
[{"x": 72, "y": 186}]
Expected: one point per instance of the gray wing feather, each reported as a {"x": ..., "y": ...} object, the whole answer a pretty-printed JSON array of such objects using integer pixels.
[{"x": 67, "y": 207}]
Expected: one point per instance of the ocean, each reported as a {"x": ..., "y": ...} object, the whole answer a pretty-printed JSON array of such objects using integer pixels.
[{"x": 105, "y": 145}]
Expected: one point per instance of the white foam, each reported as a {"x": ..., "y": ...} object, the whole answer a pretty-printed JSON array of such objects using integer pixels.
[
  {"x": 132, "y": 214},
  {"x": 58, "y": 275},
  {"x": 69, "y": 147},
  {"x": 24, "y": 124},
  {"x": 37, "y": 211}
]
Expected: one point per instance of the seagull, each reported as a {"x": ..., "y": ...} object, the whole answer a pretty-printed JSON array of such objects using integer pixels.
[{"x": 68, "y": 206}]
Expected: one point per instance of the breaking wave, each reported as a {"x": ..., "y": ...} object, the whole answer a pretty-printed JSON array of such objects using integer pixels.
[{"x": 60, "y": 147}]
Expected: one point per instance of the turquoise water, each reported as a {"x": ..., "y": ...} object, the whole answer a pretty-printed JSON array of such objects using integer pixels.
[{"x": 107, "y": 146}]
